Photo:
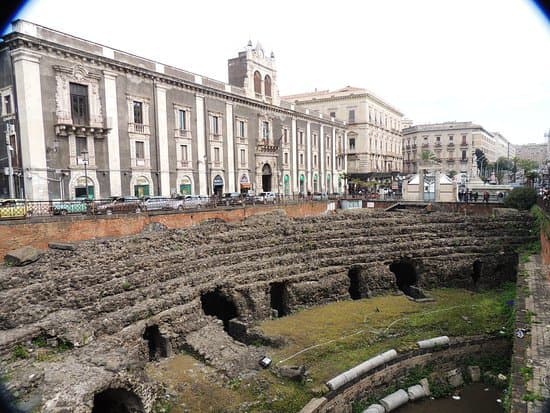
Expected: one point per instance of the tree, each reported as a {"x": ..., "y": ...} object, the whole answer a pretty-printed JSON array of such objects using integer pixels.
[
  {"x": 527, "y": 164},
  {"x": 521, "y": 198},
  {"x": 504, "y": 164},
  {"x": 428, "y": 156},
  {"x": 481, "y": 161},
  {"x": 452, "y": 173}
]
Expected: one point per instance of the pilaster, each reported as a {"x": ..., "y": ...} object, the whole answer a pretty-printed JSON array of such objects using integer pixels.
[
  {"x": 26, "y": 65},
  {"x": 322, "y": 161},
  {"x": 113, "y": 139},
  {"x": 201, "y": 145},
  {"x": 309, "y": 173},
  {"x": 231, "y": 178},
  {"x": 294, "y": 162},
  {"x": 162, "y": 128}
]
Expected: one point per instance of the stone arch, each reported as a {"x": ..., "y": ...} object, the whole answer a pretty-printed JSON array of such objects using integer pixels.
[
  {"x": 219, "y": 305},
  {"x": 405, "y": 274},
  {"x": 257, "y": 82},
  {"x": 279, "y": 298},
  {"x": 185, "y": 185},
  {"x": 158, "y": 345},
  {"x": 267, "y": 85},
  {"x": 77, "y": 184},
  {"x": 117, "y": 400},
  {"x": 141, "y": 186},
  {"x": 266, "y": 177}
]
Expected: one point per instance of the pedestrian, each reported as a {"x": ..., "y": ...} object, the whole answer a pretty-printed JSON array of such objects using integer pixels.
[
  {"x": 476, "y": 195},
  {"x": 461, "y": 195},
  {"x": 486, "y": 197},
  {"x": 466, "y": 196},
  {"x": 471, "y": 195}
]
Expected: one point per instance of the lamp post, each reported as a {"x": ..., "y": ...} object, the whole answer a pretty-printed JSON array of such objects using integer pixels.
[{"x": 85, "y": 159}]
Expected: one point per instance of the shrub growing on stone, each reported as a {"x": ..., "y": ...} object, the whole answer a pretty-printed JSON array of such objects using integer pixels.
[{"x": 521, "y": 198}]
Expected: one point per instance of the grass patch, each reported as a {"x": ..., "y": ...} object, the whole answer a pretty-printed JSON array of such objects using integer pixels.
[
  {"x": 527, "y": 373},
  {"x": 332, "y": 338},
  {"x": 531, "y": 396},
  {"x": 20, "y": 353}
]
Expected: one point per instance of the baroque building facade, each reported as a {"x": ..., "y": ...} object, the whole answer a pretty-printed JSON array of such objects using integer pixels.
[
  {"x": 374, "y": 129},
  {"x": 452, "y": 144},
  {"x": 86, "y": 118}
]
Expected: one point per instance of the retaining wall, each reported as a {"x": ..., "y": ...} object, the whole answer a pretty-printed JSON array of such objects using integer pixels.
[{"x": 460, "y": 353}]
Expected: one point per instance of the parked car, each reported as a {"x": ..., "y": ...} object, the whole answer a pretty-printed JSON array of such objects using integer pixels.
[
  {"x": 64, "y": 207},
  {"x": 266, "y": 197},
  {"x": 320, "y": 196},
  {"x": 120, "y": 204},
  {"x": 232, "y": 198},
  {"x": 14, "y": 208},
  {"x": 157, "y": 203},
  {"x": 194, "y": 201}
]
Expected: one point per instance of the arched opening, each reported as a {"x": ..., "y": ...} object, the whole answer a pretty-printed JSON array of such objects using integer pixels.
[
  {"x": 185, "y": 186},
  {"x": 315, "y": 183},
  {"x": 267, "y": 85},
  {"x": 354, "y": 289},
  {"x": 216, "y": 304},
  {"x": 158, "y": 345},
  {"x": 117, "y": 401},
  {"x": 405, "y": 275},
  {"x": 302, "y": 184},
  {"x": 257, "y": 82},
  {"x": 217, "y": 185},
  {"x": 141, "y": 187},
  {"x": 278, "y": 293},
  {"x": 476, "y": 274},
  {"x": 80, "y": 188},
  {"x": 286, "y": 185},
  {"x": 266, "y": 178}
]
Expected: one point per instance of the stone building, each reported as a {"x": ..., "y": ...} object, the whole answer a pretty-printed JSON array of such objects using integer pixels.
[
  {"x": 452, "y": 144},
  {"x": 503, "y": 147},
  {"x": 374, "y": 134},
  {"x": 86, "y": 116},
  {"x": 537, "y": 152}
]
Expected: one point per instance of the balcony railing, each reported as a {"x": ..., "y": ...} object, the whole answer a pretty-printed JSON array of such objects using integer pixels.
[
  {"x": 185, "y": 164},
  {"x": 464, "y": 160},
  {"x": 450, "y": 159},
  {"x": 463, "y": 143},
  {"x": 139, "y": 128},
  {"x": 266, "y": 147},
  {"x": 425, "y": 145},
  {"x": 215, "y": 136},
  {"x": 450, "y": 145},
  {"x": 182, "y": 133}
]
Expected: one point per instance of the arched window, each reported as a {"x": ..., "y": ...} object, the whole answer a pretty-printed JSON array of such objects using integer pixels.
[
  {"x": 257, "y": 82},
  {"x": 267, "y": 85}
]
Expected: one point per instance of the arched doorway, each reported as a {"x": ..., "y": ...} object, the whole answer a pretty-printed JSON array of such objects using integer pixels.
[
  {"x": 302, "y": 184},
  {"x": 329, "y": 189},
  {"x": 245, "y": 184},
  {"x": 278, "y": 298},
  {"x": 141, "y": 187},
  {"x": 117, "y": 401},
  {"x": 354, "y": 275},
  {"x": 266, "y": 178},
  {"x": 157, "y": 344},
  {"x": 217, "y": 185},
  {"x": 267, "y": 85},
  {"x": 80, "y": 188},
  {"x": 315, "y": 183},
  {"x": 185, "y": 186},
  {"x": 405, "y": 274},
  {"x": 217, "y": 304},
  {"x": 257, "y": 83},
  {"x": 286, "y": 181}
]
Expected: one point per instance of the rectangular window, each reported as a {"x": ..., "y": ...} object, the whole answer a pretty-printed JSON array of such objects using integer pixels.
[
  {"x": 438, "y": 139},
  {"x": 285, "y": 136},
  {"x": 216, "y": 154},
  {"x": 464, "y": 156},
  {"x": 243, "y": 156},
  {"x": 215, "y": 125},
  {"x": 332, "y": 114},
  {"x": 352, "y": 144},
  {"x": 265, "y": 130},
  {"x": 182, "y": 119},
  {"x": 79, "y": 103},
  {"x": 300, "y": 138},
  {"x": 81, "y": 145},
  {"x": 315, "y": 161},
  {"x": 138, "y": 113},
  {"x": 351, "y": 116},
  {"x": 285, "y": 158},
  {"x": 183, "y": 150},
  {"x": 7, "y": 105},
  {"x": 328, "y": 161},
  {"x": 301, "y": 159},
  {"x": 464, "y": 140},
  {"x": 140, "y": 150},
  {"x": 450, "y": 138},
  {"x": 314, "y": 140},
  {"x": 241, "y": 129}
]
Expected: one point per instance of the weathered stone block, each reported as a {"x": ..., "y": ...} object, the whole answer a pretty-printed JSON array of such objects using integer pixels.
[
  {"x": 61, "y": 246},
  {"x": 454, "y": 378},
  {"x": 22, "y": 256},
  {"x": 474, "y": 372}
]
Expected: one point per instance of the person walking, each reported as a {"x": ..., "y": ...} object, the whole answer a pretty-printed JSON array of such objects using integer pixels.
[{"x": 486, "y": 197}]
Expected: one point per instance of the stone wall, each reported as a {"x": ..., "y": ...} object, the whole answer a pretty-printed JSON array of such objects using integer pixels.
[
  {"x": 102, "y": 296},
  {"x": 457, "y": 355}
]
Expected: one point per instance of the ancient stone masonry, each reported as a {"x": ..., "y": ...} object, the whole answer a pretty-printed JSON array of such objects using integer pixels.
[{"x": 83, "y": 323}]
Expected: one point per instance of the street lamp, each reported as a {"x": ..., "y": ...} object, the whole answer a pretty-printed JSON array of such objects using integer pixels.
[{"x": 85, "y": 159}]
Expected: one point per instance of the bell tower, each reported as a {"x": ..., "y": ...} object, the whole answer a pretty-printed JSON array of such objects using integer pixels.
[{"x": 254, "y": 71}]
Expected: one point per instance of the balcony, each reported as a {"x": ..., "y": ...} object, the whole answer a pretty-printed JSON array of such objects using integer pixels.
[
  {"x": 463, "y": 143},
  {"x": 413, "y": 146},
  {"x": 215, "y": 136},
  {"x": 96, "y": 125},
  {"x": 464, "y": 160},
  {"x": 450, "y": 145},
  {"x": 184, "y": 164},
  {"x": 425, "y": 145},
  {"x": 437, "y": 144},
  {"x": 266, "y": 147},
  {"x": 182, "y": 133},
  {"x": 450, "y": 160},
  {"x": 139, "y": 128}
]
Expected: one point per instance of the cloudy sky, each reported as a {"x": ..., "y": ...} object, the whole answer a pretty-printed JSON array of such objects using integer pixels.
[{"x": 485, "y": 61}]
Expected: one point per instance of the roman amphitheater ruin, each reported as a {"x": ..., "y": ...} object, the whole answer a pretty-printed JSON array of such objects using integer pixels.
[{"x": 116, "y": 304}]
